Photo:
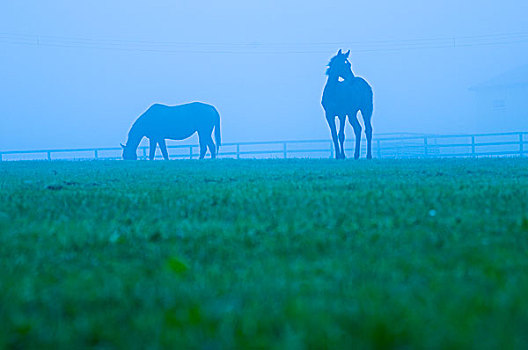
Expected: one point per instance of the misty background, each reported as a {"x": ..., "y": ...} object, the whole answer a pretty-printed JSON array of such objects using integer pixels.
[{"x": 77, "y": 74}]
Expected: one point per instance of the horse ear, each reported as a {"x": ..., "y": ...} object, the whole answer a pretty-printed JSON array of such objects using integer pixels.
[
  {"x": 122, "y": 145},
  {"x": 348, "y": 53},
  {"x": 339, "y": 52}
]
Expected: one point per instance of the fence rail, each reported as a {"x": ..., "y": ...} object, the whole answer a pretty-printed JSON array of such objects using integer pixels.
[{"x": 384, "y": 146}]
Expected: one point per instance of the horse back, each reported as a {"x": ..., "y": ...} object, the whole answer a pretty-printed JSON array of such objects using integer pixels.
[{"x": 179, "y": 121}]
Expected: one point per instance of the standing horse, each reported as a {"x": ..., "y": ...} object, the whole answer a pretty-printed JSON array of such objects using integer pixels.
[
  {"x": 344, "y": 95},
  {"x": 162, "y": 122}
]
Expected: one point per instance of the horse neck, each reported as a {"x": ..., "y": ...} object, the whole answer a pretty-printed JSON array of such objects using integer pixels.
[
  {"x": 333, "y": 79},
  {"x": 134, "y": 137}
]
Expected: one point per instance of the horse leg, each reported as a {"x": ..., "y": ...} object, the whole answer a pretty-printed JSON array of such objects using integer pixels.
[
  {"x": 342, "y": 122},
  {"x": 331, "y": 123},
  {"x": 368, "y": 132},
  {"x": 203, "y": 146},
  {"x": 152, "y": 150},
  {"x": 163, "y": 148},
  {"x": 357, "y": 131},
  {"x": 212, "y": 147}
]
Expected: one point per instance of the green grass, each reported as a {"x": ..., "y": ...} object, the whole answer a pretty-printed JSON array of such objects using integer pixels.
[{"x": 288, "y": 254}]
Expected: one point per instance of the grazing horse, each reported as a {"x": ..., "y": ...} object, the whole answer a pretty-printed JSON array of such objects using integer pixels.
[
  {"x": 162, "y": 122},
  {"x": 344, "y": 95}
]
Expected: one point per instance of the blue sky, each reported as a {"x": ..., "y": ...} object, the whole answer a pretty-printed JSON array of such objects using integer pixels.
[{"x": 78, "y": 74}]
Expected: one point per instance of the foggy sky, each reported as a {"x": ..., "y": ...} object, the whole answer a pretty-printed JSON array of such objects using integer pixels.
[{"x": 77, "y": 74}]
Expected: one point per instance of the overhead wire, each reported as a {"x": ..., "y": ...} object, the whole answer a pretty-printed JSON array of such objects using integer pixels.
[{"x": 169, "y": 47}]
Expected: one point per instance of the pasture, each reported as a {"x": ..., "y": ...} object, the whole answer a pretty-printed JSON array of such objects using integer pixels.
[{"x": 292, "y": 254}]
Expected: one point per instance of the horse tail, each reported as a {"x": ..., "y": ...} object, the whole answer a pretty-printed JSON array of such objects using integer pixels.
[
  {"x": 369, "y": 107},
  {"x": 368, "y": 101},
  {"x": 217, "y": 130}
]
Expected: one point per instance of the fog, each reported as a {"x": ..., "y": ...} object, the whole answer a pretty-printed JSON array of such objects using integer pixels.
[{"x": 77, "y": 74}]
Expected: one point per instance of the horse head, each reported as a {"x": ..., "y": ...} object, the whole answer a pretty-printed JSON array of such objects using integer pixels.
[
  {"x": 340, "y": 66},
  {"x": 128, "y": 153}
]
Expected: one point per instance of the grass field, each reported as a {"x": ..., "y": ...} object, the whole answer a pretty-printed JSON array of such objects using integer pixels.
[{"x": 289, "y": 254}]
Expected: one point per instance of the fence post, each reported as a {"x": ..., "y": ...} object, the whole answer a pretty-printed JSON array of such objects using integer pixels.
[
  {"x": 521, "y": 145},
  {"x": 378, "y": 143},
  {"x": 190, "y": 152},
  {"x": 426, "y": 151},
  {"x": 95, "y": 154},
  {"x": 473, "y": 146},
  {"x": 331, "y": 150},
  {"x": 238, "y": 151},
  {"x": 285, "y": 152},
  {"x": 49, "y": 155}
]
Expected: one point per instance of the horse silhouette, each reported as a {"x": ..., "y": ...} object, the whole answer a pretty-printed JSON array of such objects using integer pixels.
[
  {"x": 344, "y": 95},
  {"x": 161, "y": 122}
]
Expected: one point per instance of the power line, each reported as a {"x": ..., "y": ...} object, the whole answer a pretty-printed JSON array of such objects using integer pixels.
[{"x": 264, "y": 47}]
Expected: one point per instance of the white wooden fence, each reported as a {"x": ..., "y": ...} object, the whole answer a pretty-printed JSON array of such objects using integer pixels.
[{"x": 384, "y": 146}]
